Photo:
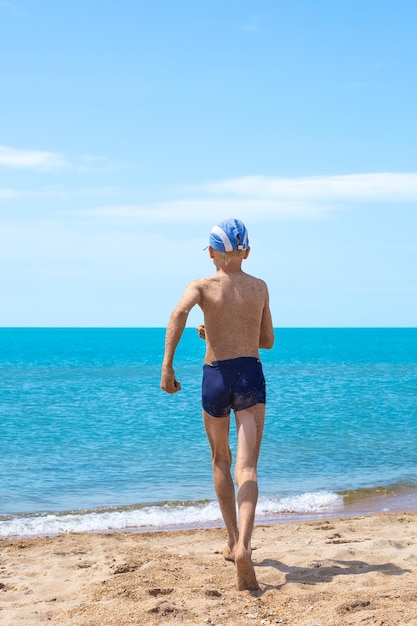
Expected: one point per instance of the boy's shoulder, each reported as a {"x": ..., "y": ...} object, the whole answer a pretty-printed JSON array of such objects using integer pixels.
[{"x": 211, "y": 282}]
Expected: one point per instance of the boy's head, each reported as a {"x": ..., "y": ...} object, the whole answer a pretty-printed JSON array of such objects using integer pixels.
[{"x": 228, "y": 236}]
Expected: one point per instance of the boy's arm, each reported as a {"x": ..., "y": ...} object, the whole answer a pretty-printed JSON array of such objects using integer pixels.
[
  {"x": 175, "y": 328},
  {"x": 266, "y": 331}
]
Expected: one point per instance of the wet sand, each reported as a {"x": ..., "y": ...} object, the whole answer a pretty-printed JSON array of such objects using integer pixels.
[{"x": 359, "y": 570}]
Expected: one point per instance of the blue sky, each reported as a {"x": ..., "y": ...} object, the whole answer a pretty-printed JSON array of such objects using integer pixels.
[{"x": 128, "y": 128}]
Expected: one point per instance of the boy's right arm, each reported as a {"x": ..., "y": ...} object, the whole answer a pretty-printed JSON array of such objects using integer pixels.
[{"x": 175, "y": 328}]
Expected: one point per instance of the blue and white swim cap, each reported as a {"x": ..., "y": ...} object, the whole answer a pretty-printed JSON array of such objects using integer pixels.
[{"x": 231, "y": 234}]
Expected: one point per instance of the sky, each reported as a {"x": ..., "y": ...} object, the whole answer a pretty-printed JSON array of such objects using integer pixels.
[{"x": 128, "y": 128}]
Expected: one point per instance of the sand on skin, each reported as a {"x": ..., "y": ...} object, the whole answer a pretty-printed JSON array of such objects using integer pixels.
[{"x": 350, "y": 571}]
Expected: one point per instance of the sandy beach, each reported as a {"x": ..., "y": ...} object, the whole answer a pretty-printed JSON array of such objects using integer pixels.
[{"x": 336, "y": 571}]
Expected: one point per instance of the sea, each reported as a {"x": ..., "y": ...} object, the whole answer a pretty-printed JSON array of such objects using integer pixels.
[{"x": 89, "y": 442}]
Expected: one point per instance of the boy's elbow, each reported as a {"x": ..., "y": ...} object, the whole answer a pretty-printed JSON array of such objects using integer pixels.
[
  {"x": 179, "y": 314},
  {"x": 266, "y": 342}
]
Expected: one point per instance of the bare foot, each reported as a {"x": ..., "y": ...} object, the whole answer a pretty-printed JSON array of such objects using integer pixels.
[
  {"x": 228, "y": 554},
  {"x": 246, "y": 578}
]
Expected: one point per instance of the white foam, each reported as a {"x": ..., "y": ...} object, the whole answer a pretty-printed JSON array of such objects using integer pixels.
[
  {"x": 158, "y": 517},
  {"x": 102, "y": 521},
  {"x": 313, "y": 502}
]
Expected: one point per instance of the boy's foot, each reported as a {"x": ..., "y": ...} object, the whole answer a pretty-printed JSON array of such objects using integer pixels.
[
  {"x": 228, "y": 554},
  {"x": 246, "y": 578}
]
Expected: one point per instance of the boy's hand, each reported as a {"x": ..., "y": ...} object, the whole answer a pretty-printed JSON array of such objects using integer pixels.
[
  {"x": 168, "y": 381},
  {"x": 201, "y": 331}
]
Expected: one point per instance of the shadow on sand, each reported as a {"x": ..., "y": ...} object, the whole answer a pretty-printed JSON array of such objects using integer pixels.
[{"x": 325, "y": 570}]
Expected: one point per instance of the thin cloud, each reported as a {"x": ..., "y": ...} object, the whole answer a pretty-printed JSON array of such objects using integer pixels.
[
  {"x": 32, "y": 159},
  {"x": 250, "y": 197},
  {"x": 92, "y": 163},
  {"x": 267, "y": 197},
  {"x": 200, "y": 210},
  {"x": 349, "y": 187},
  {"x": 6, "y": 194},
  {"x": 46, "y": 161},
  {"x": 8, "y": 6},
  {"x": 253, "y": 25},
  {"x": 54, "y": 193}
]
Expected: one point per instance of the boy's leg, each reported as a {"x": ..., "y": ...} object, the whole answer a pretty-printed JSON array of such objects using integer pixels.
[
  {"x": 250, "y": 423},
  {"x": 217, "y": 429}
]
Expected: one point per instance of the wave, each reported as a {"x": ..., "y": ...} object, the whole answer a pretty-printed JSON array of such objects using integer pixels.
[
  {"x": 203, "y": 514},
  {"x": 379, "y": 492},
  {"x": 164, "y": 516}
]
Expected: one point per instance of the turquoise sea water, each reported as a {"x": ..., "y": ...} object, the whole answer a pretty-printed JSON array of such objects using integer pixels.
[{"x": 89, "y": 442}]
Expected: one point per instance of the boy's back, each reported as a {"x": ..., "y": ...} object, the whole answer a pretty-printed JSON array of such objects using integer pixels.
[{"x": 234, "y": 305}]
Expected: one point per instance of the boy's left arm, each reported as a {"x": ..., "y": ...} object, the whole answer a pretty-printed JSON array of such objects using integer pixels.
[{"x": 266, "y": 331}]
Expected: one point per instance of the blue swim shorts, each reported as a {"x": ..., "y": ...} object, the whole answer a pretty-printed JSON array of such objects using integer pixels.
[{"x": 234, "y": 384}]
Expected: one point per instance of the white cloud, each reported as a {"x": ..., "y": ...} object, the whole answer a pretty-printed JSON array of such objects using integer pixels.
[
  {"x": 250, "y": 197},
  {"x": 269, "y": 197},
  {"x": 46, "y": 161},
  {"x": 348, "y": 187},
  {"x": 32, "y": 159},
  {"x": 200, "y": 210}
]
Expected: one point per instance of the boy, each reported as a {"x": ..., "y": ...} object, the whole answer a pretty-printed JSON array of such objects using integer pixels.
[{"x": 237, "y": 322}]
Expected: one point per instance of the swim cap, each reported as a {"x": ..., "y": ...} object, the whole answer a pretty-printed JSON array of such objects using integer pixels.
[{"x": 231, "y": 234}]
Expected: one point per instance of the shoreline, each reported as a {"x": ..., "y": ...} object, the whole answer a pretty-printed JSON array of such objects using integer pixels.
[
  {"x": 114, "y": 519},
  {"x": 344, "y": 570}
]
